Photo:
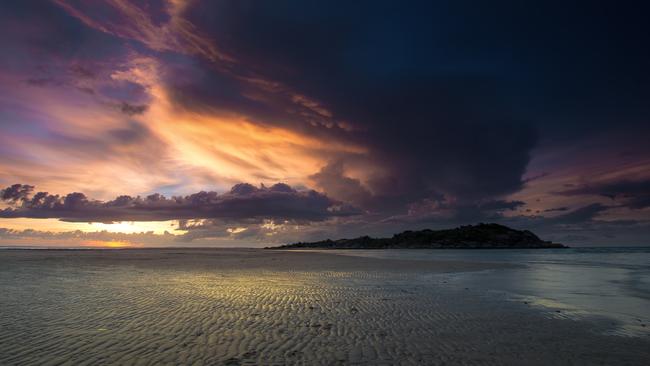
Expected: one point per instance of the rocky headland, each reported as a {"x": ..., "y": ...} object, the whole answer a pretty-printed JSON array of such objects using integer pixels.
[{"x": 481, "y": 236}]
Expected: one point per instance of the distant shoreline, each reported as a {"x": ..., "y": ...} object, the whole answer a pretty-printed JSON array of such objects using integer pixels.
[{"x": 481, "y": 236}]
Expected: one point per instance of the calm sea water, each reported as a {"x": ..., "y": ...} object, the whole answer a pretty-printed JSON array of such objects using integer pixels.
[{"x": 608, "y": 282}]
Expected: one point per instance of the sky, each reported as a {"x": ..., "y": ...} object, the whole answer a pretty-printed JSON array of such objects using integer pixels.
[{"x": 247, "y": 123}]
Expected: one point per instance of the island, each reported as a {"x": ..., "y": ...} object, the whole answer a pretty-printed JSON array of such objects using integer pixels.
[{"x": 481, "y": 236}]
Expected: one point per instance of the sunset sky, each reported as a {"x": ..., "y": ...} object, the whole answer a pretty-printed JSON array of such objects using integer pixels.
[{"x": 247, "y": 123}]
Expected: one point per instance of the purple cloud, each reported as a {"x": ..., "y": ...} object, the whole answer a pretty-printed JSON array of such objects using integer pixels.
[{"x": 243, "y": 201}]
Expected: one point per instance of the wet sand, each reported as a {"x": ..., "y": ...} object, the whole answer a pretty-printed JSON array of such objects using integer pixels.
[{"x": 248, "y": 306}]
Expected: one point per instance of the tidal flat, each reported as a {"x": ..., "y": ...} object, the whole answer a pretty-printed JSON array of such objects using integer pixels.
[{"x": 260, "y": 307}]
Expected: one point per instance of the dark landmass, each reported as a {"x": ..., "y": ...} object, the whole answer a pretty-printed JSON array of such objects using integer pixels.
[{"x": 481, "y": 236}]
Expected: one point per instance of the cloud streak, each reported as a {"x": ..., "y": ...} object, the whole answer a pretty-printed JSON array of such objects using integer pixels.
[
  {"x": 131, "y": 22},
  {"x": 632, "y": 194}
]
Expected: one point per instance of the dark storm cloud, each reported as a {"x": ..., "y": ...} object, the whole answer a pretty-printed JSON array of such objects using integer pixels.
[
  {"x": 16, "y": 192},
  {"x": 544, "y": 54},
  {"x": 433, "y": 129},
  {"x": 198, "y": 86},
  {"x": 632, "y": 194},
  {"x": 243, "y": 202},
  {"x": 449, "y": 96},
  {"x": 331, "y": 178}
]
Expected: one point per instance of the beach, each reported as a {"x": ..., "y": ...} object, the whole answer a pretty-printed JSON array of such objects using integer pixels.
[{"x": 253, "y": 306}]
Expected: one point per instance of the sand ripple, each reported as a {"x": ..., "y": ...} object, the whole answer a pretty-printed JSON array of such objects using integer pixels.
[{"x": 58, "y": 311}]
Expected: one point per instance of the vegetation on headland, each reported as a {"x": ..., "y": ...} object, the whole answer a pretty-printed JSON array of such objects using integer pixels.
[{"x": 481, "y": 236}]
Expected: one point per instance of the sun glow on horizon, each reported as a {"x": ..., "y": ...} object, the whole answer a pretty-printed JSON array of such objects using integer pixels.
[{"x": 112, "y": 244}]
